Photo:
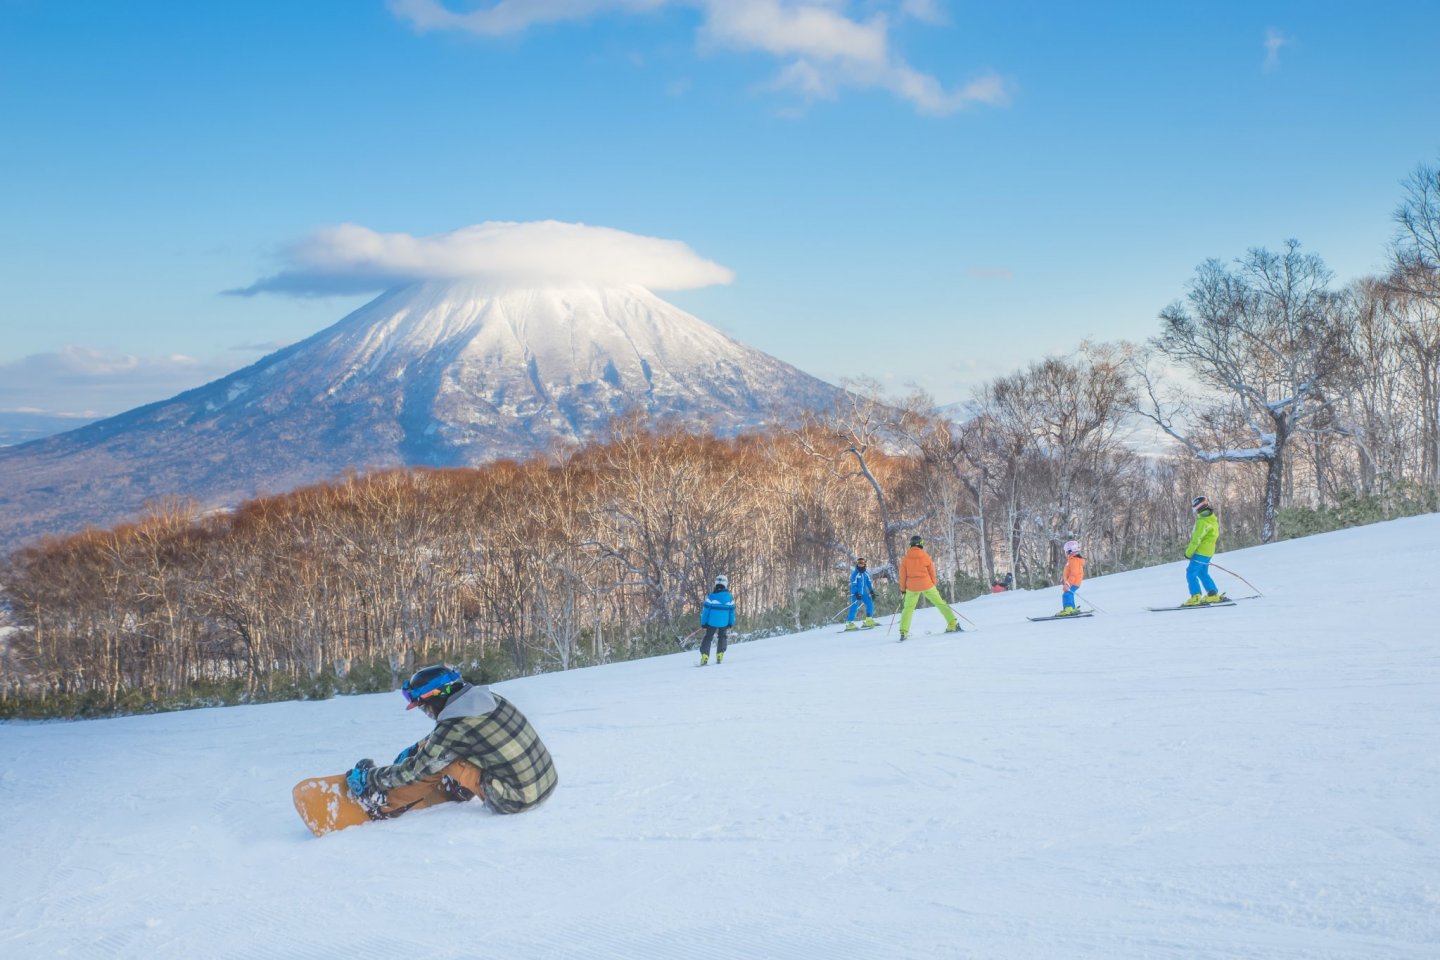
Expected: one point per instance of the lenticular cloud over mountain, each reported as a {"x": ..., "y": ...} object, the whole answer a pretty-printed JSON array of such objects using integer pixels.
[{"x": 350, "y": 258}]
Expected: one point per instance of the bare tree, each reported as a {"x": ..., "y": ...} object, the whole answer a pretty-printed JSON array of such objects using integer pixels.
[{"x": 1266, "y": 336}]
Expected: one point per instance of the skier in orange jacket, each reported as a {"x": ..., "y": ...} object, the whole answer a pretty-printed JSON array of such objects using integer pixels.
[
  {"x": 917, "y": 579},
  {"x": 1074, "y": 576}
]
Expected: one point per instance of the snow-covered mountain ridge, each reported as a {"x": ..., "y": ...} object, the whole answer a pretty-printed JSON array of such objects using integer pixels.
[
  {"x": 433, "y": 374},
  {"x": 1255, "y": 781}
]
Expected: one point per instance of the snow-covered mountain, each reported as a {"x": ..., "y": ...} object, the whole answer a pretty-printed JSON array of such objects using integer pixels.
[
  {"x": 1255, "y": 782},
  {"x": 433, "y": 374}
]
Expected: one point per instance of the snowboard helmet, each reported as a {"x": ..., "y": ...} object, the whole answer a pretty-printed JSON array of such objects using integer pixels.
[
  {"x": 1200, "y": 503},
  {"x": 917, "y": 541},
  {"x": 721, "y": 580},
  {"x": 434, "y": 685},
  {"x": 1072, "y": 547}
]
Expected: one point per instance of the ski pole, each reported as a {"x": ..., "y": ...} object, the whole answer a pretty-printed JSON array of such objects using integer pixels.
[
  {"x": 1237, "y": 577},
  {"x": 685, "y": 642},
  {"x": 1093, "y": 606},
  {"x": 894, "y": 615}
]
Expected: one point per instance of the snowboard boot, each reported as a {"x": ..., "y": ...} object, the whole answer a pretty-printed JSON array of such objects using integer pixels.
[
  {"x": 1195, "y": 600},
  {"x": 704, "y": 659},
  {"x": 851, "y": 625},
  {"x": 1213, "y": 597},
  {"x": 871, "y": 622},
  {"x": 719, "y": 658}
]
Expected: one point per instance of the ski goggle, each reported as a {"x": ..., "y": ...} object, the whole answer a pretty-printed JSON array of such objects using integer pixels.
[{"x": 439, "y": 685}]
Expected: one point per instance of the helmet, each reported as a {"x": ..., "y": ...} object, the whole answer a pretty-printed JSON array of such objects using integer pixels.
[
  {"x": 917, "y": 541},
  {"x": 1200, "y": 503},
  {"x": 1072, "y": 547},
  {"x": 721, "y": 580},
  {"x": 426, "y": 683}
]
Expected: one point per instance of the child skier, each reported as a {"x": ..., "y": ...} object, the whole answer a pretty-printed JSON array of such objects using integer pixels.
[
  {"x": 1072, "y": 578},
  {"x": 917, "y": 579},
  {"x": 1199, "y": 551},
  {"x": 717, "y": 616},
  {"x": 862, "y": 590}
]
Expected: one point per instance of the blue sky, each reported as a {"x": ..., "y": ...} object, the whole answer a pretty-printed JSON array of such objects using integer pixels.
[{"x": 925, "y": 191}]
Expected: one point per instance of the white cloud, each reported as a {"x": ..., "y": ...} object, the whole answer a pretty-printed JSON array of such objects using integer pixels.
[
  {"x": 355, "y": 259},
  {"x": 926, "y": 11},
  {"x": 822, "y": 46},
  {"x": 510, "y": 16},
  {"x": 83, "y": 381},
  {"x": 1274, "y": 40}
]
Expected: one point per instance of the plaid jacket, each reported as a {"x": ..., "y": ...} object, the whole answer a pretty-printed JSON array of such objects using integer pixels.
[{"x": 517, "y": 769}]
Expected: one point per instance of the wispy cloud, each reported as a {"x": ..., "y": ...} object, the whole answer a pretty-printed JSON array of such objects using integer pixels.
[
  {"x": 84, "y": 381},
  {"x": 1274, "y": 40},
  {"x": 823, "y": 48},
  {"x": 353, "y": 259}
]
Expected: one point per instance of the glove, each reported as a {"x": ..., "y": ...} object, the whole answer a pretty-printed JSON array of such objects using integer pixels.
[
  {"x": 358, "y": 779},
  {"x": 1187, "y": 554},
  {"x": 406, "y": 754},
  {"x": 854, "y": 596}
]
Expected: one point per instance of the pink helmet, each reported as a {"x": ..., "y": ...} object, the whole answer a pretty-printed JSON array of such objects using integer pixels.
[{"x": 1072, "y": 547}]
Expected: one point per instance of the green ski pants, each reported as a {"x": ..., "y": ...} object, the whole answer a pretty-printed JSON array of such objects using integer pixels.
[{"x": 912, "y": 597}]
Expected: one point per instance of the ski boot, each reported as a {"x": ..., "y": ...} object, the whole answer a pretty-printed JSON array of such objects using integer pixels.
[
  {"x": 902, "y": 636},
  {"x": 1195, "y": 600},
  {"x": 704, "y": 659},
  {"x": 719, "y": 658},
  {"x": 1068, "y": 612},
  {"x": 871, "y": 622},
  {"x": 851, "y": 625},
  {"x": 1214, "y": 597},
  {"x": 954, "y": 628}
]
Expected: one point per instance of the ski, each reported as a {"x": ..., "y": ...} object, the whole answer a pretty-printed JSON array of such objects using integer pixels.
[
  {"x": 1195, "y": 606},
  {"x": 1072, "y": 616},
  {"x": 929, "y": 633},
  {"x": 857, "y": 629}
]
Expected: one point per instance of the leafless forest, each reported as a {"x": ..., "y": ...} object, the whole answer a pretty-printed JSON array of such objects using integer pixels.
[{"x": 1268, "y": 387}]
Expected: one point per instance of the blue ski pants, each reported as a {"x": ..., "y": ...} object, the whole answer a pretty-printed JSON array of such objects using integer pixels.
[
  {"x": 1198, "y": 575},
  {"x": 856, "y": 600},
  {"x": 1068, "y": 596}
]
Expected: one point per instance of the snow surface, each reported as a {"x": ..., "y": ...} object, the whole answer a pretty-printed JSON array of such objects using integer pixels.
[{"x": 1260, "y": 780}]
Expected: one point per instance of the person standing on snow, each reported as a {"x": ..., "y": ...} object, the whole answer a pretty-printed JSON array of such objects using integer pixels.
[
  {"x": 482, "y": 746},
  {"x": 917, "y": 579},
  {"x": 1072, "y": 578},
  {"x": 1199, "y": 552},
  {"x": 862, "y": 590},
  {"x": 717, "y": 616}
]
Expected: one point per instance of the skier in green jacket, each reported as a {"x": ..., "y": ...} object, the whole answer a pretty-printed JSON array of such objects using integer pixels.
[{"x": 1199, "y": 551}]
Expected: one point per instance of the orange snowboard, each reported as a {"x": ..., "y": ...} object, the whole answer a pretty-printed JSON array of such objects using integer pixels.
[{"x": 325, "y": 804}]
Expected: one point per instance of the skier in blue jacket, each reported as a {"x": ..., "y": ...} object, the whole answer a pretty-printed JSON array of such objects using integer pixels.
[
  {"x": 862, "y": 590},
  {"x": 717, "y": 617}
]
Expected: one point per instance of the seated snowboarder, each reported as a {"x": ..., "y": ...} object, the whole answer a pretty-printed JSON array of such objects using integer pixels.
[{"x": 482, "y": 746}]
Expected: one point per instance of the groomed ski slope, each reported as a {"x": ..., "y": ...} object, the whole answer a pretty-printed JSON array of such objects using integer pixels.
[{"x": 1254, "y": 781}]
